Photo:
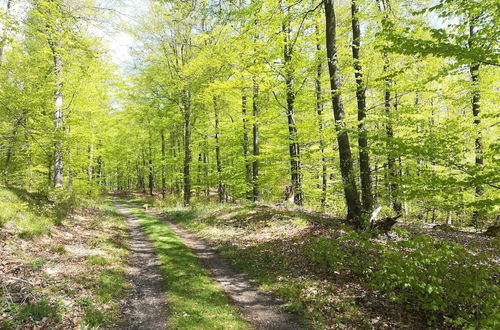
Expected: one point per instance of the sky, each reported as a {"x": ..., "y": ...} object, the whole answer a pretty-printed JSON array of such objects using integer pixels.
[
  {"x": 120, "y": 42},
  {"x": 122, "y": 12}
]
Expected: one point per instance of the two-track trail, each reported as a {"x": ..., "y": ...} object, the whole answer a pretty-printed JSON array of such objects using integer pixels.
[{"x": 147, "y": 308}]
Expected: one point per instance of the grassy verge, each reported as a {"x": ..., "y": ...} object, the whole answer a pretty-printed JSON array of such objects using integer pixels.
[
  {"x": 335, "y": 277},
  {"x": 194, "y": 300},
  {"x": 68, "y": 275}
]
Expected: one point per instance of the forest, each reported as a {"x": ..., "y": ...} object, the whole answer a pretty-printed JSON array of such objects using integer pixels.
[{"x": 249, "y": 164}]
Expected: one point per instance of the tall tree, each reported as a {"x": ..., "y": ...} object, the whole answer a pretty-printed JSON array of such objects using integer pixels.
[
  {"x": 391, "y": 160},
  {"x": 293, "y": 144},
  {"x": 364, "y": 158},
  {"x": 319, "y": 112},
  {"x": 255, "y": 142},
  {"x": 54, "y": 40},
  {"x": 246, "y": 144},
  {"x": 354, "y": 211}
]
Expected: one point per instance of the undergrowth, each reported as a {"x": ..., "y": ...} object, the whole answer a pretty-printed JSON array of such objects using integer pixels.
[
  {"x": 31, "y": 214},
  {"x": 72, "y": 278}
]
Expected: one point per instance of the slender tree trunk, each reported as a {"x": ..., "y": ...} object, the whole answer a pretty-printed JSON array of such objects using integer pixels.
[
  {"x": 218, "y": 161},
  {"x": 364, "y": 158},
  {"x": 319, "y": 112},
  {"x": 206, "y": 167},
  {"x": 246, "y": 145},
  {"x": 163, "y": 165},
  {"x": 50, "y": 171},
  {"x": 476, "y": 109},
  {"x": 150, "y": 160},
  {"x": 58, "y": 118},
  {"x": 90, "y": 164},
  {"x": 293, "y": 144},
  {"x": 99, "y": 170},
  {"x": 255, "y": 143},
  {"x": 8, "y": 156},
  {"x": 391, "y": 161},
  {"x": 187, "y": 148},
  {"x": 143, "y": 171},
  {"x": 354, "y": 212}
]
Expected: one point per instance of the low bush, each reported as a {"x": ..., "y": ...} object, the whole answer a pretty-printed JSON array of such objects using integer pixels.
[{"x": 442, "y": 279}]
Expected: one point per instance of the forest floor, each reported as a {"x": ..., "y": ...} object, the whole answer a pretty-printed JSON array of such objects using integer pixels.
[
  {"x": 219, "y": 266},
  {"x": 63, "y": 272}
]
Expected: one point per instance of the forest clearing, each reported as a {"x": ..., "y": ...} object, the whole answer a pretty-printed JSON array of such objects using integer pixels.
[{"x": 249, "y": 164}]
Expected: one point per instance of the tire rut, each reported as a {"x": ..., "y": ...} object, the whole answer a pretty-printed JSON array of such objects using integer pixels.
[{"x": 145, "y": 307}]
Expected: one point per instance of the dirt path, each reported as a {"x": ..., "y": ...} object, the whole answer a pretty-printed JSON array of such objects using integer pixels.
[
  {"x": 145, "y": 307},
  {"x": 260, "y": 309}
]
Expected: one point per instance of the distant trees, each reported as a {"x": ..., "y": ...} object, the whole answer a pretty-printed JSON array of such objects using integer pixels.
[{"x": 228, "y": 100}]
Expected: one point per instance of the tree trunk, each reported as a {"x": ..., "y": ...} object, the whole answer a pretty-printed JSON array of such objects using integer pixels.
[
  {"x": 187, "y": 148},
  {"x": 293, "y": 144},
  {"x": 58, "y": 118},
  {"x": 4, "y": 36},
  {"x": 476, "y": 109},
  {"x": 364, "y": 158},
  {"x": 218, "y": 161},
  {"x": 143, "y": 171},
  {"x": 255, "y": 143},
  {"x": 319, "y": 111},
  {"x": 206, "y": 167},
  {"x": 10, "y": 148},
  {"x": 151, "y": 178},
  {"x": 246, "y": 145},
  {"x": 354, "y": 212},
  {"x": 391, "y": 161},
  {"x": 90, "y": 165},
  {"x": 163, "y": 165}
]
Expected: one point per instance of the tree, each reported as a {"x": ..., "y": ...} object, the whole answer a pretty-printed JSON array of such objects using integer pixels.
[
  {"x": 364, "y": 157},
  {"x": 354, "y": 212}
]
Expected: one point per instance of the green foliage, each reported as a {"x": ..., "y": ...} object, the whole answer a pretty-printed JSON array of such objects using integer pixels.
[
  {"x": 33, "y": 213},
  {"x": 442, "y": 279},
  {"x": 94, "y": 318},
  {"x": 37, "y": 263},
  {"x": 60, "y": 249},
  {"x": 97, "y": 260}
]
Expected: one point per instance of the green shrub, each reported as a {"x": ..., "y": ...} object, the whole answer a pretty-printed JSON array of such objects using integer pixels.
[
  {"x": 59, "y": 249},
  {"x": 440, "y": 278}
]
